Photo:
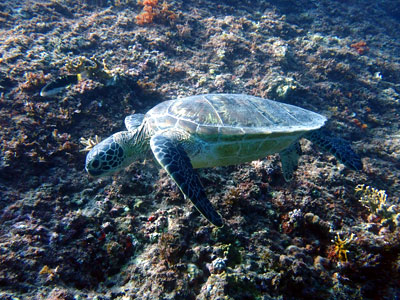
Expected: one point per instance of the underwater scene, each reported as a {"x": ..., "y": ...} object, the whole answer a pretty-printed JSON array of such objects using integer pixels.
[{"x": 141, "y": 159}]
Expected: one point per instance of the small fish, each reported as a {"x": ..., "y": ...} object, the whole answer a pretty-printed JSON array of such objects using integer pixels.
[{"x": 56, "y": 86}]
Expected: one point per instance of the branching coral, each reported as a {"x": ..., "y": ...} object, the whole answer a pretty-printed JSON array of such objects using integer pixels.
[
  {"x": 371, "y": 198},
  {"x": 89, "y": 143},
  {"x": 376, "y": 201},
  {"x": 340, "y": 249}
]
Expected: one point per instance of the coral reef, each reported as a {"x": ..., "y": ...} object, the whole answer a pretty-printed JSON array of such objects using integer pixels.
[{"x": 65, "y": 235}]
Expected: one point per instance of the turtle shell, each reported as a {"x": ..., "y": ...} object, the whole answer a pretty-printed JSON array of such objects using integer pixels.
[{"x": 232, "y": 114}]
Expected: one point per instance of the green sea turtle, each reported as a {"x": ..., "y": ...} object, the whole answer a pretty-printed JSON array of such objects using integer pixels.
[{"x": 215, "y": 130}]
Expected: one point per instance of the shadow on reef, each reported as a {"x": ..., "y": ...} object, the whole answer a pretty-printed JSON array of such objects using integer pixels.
[{"x": 77, "y": 250}]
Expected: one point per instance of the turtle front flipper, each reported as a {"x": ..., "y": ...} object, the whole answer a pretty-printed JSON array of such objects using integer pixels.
[
  {"x": 340, "y": 148},
  {"x": 173, "y": 158},
  {"x": 133, "y": 121}
]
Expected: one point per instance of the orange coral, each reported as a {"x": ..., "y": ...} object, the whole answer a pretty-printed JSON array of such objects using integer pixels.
[
  {"x": 146, "y": 16},
  {"x": 150, "y": 11},
  {"x": 152, "y": 3},
  {"x": 360, "y": 47}
]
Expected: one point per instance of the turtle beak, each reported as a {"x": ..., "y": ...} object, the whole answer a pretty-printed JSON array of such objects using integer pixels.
[
  {"x": 91, "y": 173},
  {"x": 94, "y": 172}
]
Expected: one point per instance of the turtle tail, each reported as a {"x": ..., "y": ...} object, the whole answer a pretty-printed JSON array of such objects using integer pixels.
[{"x": 340, "y": 148}]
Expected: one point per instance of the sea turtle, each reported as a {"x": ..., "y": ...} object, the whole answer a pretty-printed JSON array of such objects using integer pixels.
[{"x": 215, "y": 130}]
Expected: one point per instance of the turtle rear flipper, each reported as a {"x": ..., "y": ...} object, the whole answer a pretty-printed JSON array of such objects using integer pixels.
[
  {"x": 173, "y": 158},
  {"x": 340, "y": 148},
  {"x": 289, "y": 159}
]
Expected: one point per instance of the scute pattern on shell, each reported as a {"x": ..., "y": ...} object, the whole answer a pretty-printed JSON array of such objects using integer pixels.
[{"x": 234, "y": 114}]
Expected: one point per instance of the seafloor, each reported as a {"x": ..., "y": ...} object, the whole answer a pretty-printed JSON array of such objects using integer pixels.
[{"x": 64, "y": 235}]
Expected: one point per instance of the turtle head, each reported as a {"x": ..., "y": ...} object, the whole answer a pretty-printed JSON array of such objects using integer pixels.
[{"x": 108, "y": 156}]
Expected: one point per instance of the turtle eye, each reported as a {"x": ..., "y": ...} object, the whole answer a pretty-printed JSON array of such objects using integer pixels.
[{"x": 106, "y": 157}]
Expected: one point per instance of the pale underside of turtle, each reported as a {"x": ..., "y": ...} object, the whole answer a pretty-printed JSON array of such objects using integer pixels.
[{"x": 215, "y": 130}]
